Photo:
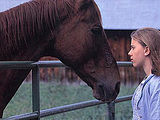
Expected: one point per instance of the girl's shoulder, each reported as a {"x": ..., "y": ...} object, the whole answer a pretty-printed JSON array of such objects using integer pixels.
[
  {"x": 153, "y": 84},
  {"x": 155, "y": 80}
]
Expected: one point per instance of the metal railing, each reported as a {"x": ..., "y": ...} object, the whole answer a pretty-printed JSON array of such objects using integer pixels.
[{"x": 37, "y": 113}]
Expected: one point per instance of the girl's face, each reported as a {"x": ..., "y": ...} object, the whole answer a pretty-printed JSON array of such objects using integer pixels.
[{"x": 137, "y": 54}]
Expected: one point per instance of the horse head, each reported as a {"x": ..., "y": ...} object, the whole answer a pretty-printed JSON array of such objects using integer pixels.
[
  {"x": 70, "y": 30},
  {"x": 80, "y": 43}
]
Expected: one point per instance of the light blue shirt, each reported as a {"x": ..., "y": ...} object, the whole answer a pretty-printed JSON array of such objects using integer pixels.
[{"x": 146, "y": 99}]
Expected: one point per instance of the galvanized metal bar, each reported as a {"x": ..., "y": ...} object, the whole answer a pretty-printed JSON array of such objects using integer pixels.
[
  {"x": 50, "y": 64},
  {"x": 123, "y": 98},
  {"x": 16, "y": 64},
  {"x": 30, "y": 64},
  {"x": 66, "y": 108},
  {"x": 124, "y": 64},
  {"x": 111, "y": 111},
  {"x": 60, "y": 64},
  {"x": 26, "y": 116},
  {"x": 35, "y": 91},
  {"x": 80, "y": 105}
]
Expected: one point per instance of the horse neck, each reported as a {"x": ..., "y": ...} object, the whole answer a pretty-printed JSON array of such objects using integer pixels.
[
  {"x": 21, "y": 32},
  {"x": 30, "y": 24}
]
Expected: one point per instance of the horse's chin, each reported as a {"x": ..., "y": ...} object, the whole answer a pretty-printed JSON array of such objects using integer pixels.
[
  {"x": 103, "y": 97},
  {"x": 103, "y": 94}
]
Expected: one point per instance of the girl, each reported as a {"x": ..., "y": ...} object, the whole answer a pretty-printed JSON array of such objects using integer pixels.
[{"x": 145, "y": 53}]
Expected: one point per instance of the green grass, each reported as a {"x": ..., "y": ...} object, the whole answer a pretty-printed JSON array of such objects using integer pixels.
[{"x": 54, "y": 94}]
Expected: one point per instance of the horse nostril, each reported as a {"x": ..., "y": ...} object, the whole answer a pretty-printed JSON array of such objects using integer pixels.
[
  {"x": 117, "y": 87},
  {"x": 101, "y": 89}
]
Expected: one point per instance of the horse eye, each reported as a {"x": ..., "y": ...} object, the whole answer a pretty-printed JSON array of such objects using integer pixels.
[{"x": 97, "y": 29}]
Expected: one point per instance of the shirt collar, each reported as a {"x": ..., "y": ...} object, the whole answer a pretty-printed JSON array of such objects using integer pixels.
[{"x": 147, "y": 78}]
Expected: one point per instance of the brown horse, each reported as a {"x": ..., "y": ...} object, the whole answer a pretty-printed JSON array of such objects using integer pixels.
[{"x": 70, "y": 30}]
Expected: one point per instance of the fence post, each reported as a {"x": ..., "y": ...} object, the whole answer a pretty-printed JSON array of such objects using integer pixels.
[
  {"x": 111, "y": 111},
  {"x": 35, "y": 91}
]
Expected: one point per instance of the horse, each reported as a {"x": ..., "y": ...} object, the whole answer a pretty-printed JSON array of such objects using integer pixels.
[{"x": 70, "y": 30}]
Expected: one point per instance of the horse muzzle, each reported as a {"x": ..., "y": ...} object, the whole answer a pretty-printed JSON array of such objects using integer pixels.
[{"x": 106, "y": 93}]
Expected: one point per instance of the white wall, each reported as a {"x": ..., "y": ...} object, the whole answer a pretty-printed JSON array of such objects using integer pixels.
[
  {"x": 6, "y": 4},
  {"x": 118, "y": 14}
]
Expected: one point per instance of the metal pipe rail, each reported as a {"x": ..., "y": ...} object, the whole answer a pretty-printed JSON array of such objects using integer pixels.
[
  {"x": 66, "y": 108},
  {"x": 31, "y": 64},
  {"x": 35, "y": 90}
]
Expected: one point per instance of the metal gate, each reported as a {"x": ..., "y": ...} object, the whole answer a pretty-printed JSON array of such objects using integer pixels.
[{"x": 37, "y": 113}]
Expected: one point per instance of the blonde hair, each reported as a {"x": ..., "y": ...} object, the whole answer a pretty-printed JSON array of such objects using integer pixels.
[{"x": 150, "y": 37}]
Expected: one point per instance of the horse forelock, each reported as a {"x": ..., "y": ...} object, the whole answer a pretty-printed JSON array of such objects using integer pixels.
[{"x": 31, "y": 20}]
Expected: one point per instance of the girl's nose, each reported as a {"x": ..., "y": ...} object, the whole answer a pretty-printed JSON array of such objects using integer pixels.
[{"x": 129, "y": 53}]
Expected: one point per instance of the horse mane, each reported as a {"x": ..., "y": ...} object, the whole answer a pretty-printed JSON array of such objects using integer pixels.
[
  {"x": 31, "y": 21},
  {"x": 98, "y": 12},
  {"x": 27, "y": 21}
]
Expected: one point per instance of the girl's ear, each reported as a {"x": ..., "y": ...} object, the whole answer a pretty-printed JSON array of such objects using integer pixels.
[{"x": 146, "y": 51}]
